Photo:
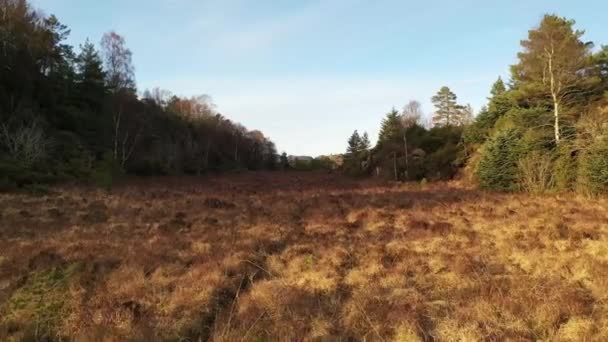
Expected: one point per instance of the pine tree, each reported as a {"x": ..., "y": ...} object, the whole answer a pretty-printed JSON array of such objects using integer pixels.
[
  {"x": 90, "y": 76},
  {"x": 447, "y": 112},
  {"x": 555, "y": 64}
]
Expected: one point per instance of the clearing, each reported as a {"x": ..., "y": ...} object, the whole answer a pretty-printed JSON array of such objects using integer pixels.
[{"x": 301, "y": 256}]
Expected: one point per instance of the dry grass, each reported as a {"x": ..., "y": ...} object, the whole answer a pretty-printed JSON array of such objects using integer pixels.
[{"x": 302, "y": 257}]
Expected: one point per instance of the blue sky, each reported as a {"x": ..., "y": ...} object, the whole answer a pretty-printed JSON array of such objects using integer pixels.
[{"x": 308, "y": 73}]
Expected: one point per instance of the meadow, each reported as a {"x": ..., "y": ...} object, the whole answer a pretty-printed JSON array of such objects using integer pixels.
[{"x": 301, "y": 257}]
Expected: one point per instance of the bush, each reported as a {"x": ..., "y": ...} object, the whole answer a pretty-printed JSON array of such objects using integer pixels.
[
  {"x": 16, "y": 173},
  {"x": 71, "y": 158},
  {"x": 37, "y": 189},
  {"x": 536, "y": 172},
  {"x": 7, "y": 185},
  {"x": 565, "y": 168},
  {"x": 497, "y": 168},
  {"x": 441, "y": 164},
  {"x": 593, "y": 168},
  {"x": 149, "y": 167},
  {"x": 106, "y": 171}
]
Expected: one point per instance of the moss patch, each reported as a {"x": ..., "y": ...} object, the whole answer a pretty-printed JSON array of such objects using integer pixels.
[{"x": 41, "y": 301}]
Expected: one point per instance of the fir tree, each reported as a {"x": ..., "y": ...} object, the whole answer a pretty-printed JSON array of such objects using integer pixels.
[
  {"x": 364, "y": 143},
  {"x": 390, "y": 129},
  {"x": 354, "y": 144}
]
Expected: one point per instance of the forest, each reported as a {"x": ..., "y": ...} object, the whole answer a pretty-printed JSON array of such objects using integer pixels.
[
  {"x": 71, "y": 113},
  {"x": 543, "y": 130}
]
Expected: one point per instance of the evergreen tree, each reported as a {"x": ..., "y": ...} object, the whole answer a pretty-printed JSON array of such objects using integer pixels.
[
  {"x": 498, "y": 88},
  {"x": 499, "y": 103},
  {"x": 447, "y": 112},
  {"x": 364, "y": 143},
  {"x": 555, "y": 64},
  {"x": 467, "y": 114},
  {"x": 90, "y": 77},
  {"x": 284, "y": 161},
  {"x": 390, "y": 129},
  {"x": 354, "y": 144},
  {"x": 497, "y": 169}
]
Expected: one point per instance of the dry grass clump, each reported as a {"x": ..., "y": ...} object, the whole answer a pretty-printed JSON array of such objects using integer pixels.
[{"x": 314, "y": 257}]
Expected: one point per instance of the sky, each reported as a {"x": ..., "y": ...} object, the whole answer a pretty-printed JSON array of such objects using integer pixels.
[{"x": 308, "y": 73}]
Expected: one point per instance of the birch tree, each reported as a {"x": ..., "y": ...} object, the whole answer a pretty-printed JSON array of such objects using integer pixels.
[
  {"x": 555, "y": 64},
  {"x": 412, "y": 112},
  {"x": 120, "y": 81}
]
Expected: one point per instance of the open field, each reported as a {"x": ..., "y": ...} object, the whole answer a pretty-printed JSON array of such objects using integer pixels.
[{"x": 259, "y": 257}]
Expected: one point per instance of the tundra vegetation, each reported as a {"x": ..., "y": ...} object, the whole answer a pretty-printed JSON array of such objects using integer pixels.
[{"x": 465, "y": 227}]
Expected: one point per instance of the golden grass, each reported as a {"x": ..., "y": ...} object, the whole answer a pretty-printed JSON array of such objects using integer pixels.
[{"x": 302, "y": 257}]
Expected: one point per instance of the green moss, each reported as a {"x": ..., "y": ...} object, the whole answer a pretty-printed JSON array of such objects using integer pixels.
[{"x": 41, "y": 301}]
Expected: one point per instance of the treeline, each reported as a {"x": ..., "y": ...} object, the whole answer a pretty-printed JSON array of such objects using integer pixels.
[
  {"x": 68, "y": 114},
  {"x": 545, "y": 130},
  {"x": 409, "y": 149}
]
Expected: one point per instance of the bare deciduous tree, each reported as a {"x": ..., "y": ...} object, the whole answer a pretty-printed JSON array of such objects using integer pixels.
[
  {"x": 26, "y": 143},
  {"x": 120, "y": 80},
  {"x": 412, "y": 112},
  {"x": 118, "y": 62}
]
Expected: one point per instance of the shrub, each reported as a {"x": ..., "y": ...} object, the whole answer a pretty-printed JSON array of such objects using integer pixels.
[
  {"x": 565, "y": 168},
  {"x": 26, "y": 142},
  {"x": 149, "y": 167},
  {"x": 71, "y": 158},
  {"x": 14, "y": 172},
  {"x": 497, "y": 168},
  {"x": 106, "y": 171},
  {"x": 7, "y": 185},
  {"x": 36, "y": 189},
  {"x": 535, "y": 172},
  {"x": 593, "y": 167},
  {"x": 441, "y": 164}
]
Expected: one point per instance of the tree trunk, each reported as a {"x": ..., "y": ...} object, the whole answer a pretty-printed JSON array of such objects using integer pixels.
[
  {"x": 554, "y": 94},
  {"x": 117, "y": 118},
  {"x": 207, "y": 154},
  {"x": 395, "y": 165},
  {"x": 407, "y": 166},
  {"x": 556, "y": 125},
  {"x": 236, "y": 149}
]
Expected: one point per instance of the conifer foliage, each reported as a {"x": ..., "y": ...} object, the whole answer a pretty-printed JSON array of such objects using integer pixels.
[{"x": 68, "y": 114}]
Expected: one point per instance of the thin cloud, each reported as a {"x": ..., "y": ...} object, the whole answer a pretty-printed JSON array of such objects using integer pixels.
[
  {"x": 233, "y": 31},
  {"x": 293, "y": 110}
]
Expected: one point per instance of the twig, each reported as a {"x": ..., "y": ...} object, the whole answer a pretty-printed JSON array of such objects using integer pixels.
[
  {"x": 238, "y": 291},
  {"x": 253, "y": 325},
  {"x": 369, "y": 321}
]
